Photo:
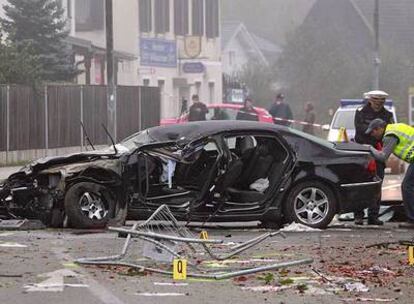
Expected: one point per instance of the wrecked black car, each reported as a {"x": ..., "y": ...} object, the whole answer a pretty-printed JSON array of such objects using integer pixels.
[{"x": 204, "y": 171}]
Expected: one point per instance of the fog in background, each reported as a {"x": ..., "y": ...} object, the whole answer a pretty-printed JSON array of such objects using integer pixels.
[{"x": 327, "y": 50}]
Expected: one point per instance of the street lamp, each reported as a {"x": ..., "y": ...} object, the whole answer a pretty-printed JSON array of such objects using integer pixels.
[
  {"x": 111, "y": 91},
  {"x": 377, "y": 59}
]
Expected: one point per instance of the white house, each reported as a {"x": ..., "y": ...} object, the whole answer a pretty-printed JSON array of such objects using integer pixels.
[
  {"x": 180, "y": 50},
  {"x": 239, "y": 46}
]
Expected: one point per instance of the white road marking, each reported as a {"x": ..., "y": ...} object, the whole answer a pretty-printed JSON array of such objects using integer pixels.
[
  {"x": 55, "y": 281},
  {"x": 12, "y": 245},
  {"x": 99, "y": 291},
  {"x": 4, "y": 234}
]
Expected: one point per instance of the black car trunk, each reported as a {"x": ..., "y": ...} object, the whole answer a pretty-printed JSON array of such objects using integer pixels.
[{"x": 352, "y": 146}]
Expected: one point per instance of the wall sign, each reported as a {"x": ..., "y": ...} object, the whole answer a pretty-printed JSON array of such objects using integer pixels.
[
  {"x": 158, "y": 52},
  {"x": 193, "y": 67}
]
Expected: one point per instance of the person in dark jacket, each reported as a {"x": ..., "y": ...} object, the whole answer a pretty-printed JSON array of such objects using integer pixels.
[
  {"x": 281, "y": 110},
  {"x": 198, "y": 110},
  {"x": 309, "y": 118},
  {"x": 247, "y": 112},
  {"x": 374, "y": 109}
]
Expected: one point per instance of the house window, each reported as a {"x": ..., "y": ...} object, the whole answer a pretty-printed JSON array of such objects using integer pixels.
[
  {"x": 181, "y": 17},
  {"x": 211, "y": 92},
  {"x": 198, "y": 87},
  {"x": 198, "y": 17},
  {"x": 89, "y": 15},
  {"x": 146, "y": 82},
  {"x": 232, "y": 56},
  {"x": 162, "y": 16},
  {"x": 145, "y": 14},
  {"x": 212, "y": 18}
]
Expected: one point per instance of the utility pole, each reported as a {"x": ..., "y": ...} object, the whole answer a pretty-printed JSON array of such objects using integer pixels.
[
  {"x": 111, "y": 90},
  {"x": 377, "y": 59}
]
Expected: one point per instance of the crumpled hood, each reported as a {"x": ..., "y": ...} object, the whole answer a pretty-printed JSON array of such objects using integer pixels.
[{"x": 52, "y": 161}]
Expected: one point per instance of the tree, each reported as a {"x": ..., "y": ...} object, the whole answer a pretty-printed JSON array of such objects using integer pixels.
[
  {"x": 260, "y": 81},
  {"x": 37, "y": 29},
  {"x": 18, "y": 66}
]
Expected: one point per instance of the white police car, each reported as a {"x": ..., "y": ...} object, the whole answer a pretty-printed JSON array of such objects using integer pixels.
[{"x": 345, "y": 115}]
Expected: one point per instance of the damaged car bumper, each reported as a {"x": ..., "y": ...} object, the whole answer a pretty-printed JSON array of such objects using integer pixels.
[{"x": 360, "y": 195}]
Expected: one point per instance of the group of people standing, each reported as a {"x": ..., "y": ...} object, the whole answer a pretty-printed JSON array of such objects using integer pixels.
[{"x": 280, "y": 111}]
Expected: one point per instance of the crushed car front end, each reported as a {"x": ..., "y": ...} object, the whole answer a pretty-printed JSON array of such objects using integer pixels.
[{"x": 38, "y": 190}]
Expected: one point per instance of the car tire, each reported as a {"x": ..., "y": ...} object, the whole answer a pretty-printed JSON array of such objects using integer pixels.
[
  {"x": 89, "y": 205},
  {"x": 310, "y": 203}
]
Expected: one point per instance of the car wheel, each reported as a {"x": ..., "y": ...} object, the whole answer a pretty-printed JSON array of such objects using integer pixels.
[
  {"x": 89, "y": 205},
  {"x": 312, "y": 204}
]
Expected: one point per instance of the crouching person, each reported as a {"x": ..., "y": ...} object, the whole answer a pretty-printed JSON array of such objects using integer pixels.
[{"x": 399, "y": 140}]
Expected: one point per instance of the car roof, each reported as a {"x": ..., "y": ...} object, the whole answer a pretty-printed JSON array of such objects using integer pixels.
[{"x": 190, "y": 131}]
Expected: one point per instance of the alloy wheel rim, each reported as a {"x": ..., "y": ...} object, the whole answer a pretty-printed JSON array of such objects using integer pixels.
[
  {"x": 311, "y": 205},
  {"x": 92, "y": 206}
]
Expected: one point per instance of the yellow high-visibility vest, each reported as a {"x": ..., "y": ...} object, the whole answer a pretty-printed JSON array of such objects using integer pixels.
[{"x": 405, "y": 147}]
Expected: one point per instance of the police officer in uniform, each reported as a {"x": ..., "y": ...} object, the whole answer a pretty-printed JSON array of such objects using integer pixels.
[{"x": 374, "y": 109}]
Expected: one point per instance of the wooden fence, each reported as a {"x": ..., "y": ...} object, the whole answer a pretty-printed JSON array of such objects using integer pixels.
[{"x": 50, "y": 117}]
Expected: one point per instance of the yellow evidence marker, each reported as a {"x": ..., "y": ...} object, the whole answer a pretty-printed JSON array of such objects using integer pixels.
[
  {"x": 411, "y": 255},
  {"x": 204, "y": 235},
  {"x": 179, "y": 269}
]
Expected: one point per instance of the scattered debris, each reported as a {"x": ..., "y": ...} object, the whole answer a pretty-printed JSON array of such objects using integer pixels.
[
  {"x": 170, "y": 284},
  {"x": 356, "y": 286},
  {"x": 267, "y": 288},
  {"x": 168, "y": 240},
  {"x": 21, "y": 224},
  {"x": 11, "y": 275},
  {"x": 224, "y": 263},
  {"x": 267, "y": 278},
  {"x": 297, "y": 227},
  {"x": 386, "y": 245},
  {"x": 286, "y": 281},
  {"x": 316, "y": 291},
  {"x": 240, "y": 279},
  {"x": 132, "y": 272},
  {"x": 365, "y": 273},
  {"x": 302, "y": 288},
  {"x": 368, "y": 300},
  {"x": 161, "y": 294}
]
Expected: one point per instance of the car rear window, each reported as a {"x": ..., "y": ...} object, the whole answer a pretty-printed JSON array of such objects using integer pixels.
[
  {"x": 221, "y": 114},
  {"x": 344, "y": 119}
]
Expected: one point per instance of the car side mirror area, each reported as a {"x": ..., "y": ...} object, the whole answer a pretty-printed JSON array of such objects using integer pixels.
[{"x": 326, "y": 127}]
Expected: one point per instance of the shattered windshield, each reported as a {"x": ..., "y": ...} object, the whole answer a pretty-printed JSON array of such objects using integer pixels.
[{"x": 136, "y": 140}]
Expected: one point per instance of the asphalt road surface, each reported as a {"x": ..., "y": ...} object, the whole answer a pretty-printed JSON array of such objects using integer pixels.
[{"x": 37, "y": 267}]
